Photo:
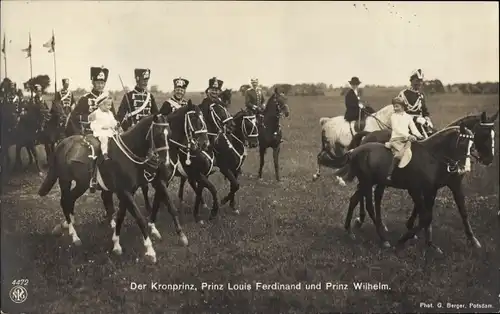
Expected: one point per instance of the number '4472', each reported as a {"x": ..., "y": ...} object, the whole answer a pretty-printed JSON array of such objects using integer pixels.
[{"x": 20, "y": 282}]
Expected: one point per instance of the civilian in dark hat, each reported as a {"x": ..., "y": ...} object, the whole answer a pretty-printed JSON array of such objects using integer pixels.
[
  {"x": 138, "y": 103},
  {"x": 177, "y": 100},
  {"x": 353, "y": 104}
]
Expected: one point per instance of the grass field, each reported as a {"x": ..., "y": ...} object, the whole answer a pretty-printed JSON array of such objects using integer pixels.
[{"x": 287, "y": 232}]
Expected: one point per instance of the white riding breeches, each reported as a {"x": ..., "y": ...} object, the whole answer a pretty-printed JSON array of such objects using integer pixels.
[{"x": 104, "y": 143}]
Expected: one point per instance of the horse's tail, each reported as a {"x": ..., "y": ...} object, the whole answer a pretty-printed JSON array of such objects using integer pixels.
[
  {"x": 346, "y": 172},
  {"x": 323, "y": 120},
  {"x": 357, "y": 138},
  {"x": 51, "y": 177}
]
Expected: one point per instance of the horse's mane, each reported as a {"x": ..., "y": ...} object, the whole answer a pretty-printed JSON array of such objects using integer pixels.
[
  {"x": 463, "y": 120},
  {"x": 438, "y": 134}
]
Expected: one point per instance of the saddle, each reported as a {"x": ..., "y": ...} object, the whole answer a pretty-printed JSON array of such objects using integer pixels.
[{"x": 402, "y": 151}]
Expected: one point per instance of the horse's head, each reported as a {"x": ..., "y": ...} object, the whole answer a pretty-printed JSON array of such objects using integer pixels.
[
  {"x": 188, "y": 121},
  {"x": 226, "y": 96},
  {"x": 246, "y": 129},
  {"x": 219, "y": 117},
  {"x": 484, "y": 138},
  {"x": 457, "y": 143},
  {"x": 158, "y": 136},
  {"x": 276, "y": 105}
]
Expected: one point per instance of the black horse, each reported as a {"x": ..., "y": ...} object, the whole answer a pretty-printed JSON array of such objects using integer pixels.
[
  {"x": 270, "y": 134},
  {"x": 53, "y": 132},
  {"x": 230, "y": 151},
  {"x": 483, "y": 150},
  {"x": 197, "y": 164},
  {"x": 430, "y": 168},
  {"x": 130, "y": 153},
  {"x": 33, "y": 119}
]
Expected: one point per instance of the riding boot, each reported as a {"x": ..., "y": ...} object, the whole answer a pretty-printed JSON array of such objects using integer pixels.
[
  {"x": 395, "y": 162},
  {"x": 93, "y": 180}
]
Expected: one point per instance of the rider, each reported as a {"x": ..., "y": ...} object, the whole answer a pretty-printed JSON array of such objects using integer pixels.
[
  {"x": 65, "y": 96},
  {"x": 401, "y": 123},
  {"x": 177, "y": 100},
  {"x": 414, "y": 100},
  {"x": 88, "y": 102},
  {"x": 353, "y": 105},
  {"x": 40, "y": 105},
  {"x": 254, "y": 97},
  {"x": 137, "y": 103}
]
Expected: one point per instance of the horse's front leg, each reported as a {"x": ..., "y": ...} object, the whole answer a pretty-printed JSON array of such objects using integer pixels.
[
  {"x": 262, "y": 153},
  {"x": 276, "y": 156},
  {"x": 202, "y": 183},
  {"x": 31, "y": 148},
  {"x": 147, "y": 203},
  {"x": 235, "y": 186}
]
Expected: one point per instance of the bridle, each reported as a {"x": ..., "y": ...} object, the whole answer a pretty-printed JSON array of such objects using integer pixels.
[
  {"x": 190, "y": 133},
  {"x": 153, "y": 150},
  {"x": 219, "y": 122}
]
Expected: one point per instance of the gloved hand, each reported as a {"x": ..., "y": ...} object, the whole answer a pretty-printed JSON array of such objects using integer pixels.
[
  {"x": 412, "y": 138},
  {"x": 361, "y": 106},
  {"x": 421, "y": 120}
]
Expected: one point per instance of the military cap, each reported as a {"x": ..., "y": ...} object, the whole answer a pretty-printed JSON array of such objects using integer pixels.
[
  {"x": 99, "y": 74},
  {"x": 181, "y": 83},
  {"x": 215, "y": 83},
  {"x": 417, "y": 74},
  {"x": 142, "y": 73}
]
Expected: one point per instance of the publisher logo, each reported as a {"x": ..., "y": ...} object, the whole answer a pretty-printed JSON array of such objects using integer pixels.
[{"x": 18, "y": 294}]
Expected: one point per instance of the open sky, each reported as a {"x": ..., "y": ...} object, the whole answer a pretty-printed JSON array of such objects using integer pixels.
[{"x": 277, "y": 42}]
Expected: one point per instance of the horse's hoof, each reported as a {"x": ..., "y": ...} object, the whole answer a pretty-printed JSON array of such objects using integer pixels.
[
  {"x": 358, "y": 223},
  {"x": 475, "y": 243},
  {"x": 184, "y": 240},
  {"x": 315, "y": 176},
  {"x": 150, "y": 258},
  {"x": 40, "y": 174},
  {"x": 341, "y": 181},
  {"x": 117, "y": 251},
  {"x": 236, "y": 211},
  {"x": 205, "y": 206},
  {"x": 77, "y": 242},
  {"x": 112, "y": 224},
  {"x": 201, "y": 222},
  {"x": 386, "y": 244}
]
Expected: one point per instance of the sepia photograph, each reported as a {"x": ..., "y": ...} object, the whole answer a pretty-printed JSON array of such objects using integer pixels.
[{"x": 249, "y": 157}]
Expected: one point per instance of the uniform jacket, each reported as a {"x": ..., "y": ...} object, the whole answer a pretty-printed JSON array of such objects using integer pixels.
[
  {"x": 140, "y": 102},
  {"x": 254, "y": 97},
  {"x": 352, "y": 106},
  {"x": 172, "y": 104},
  {"x": 65, "y": 98},
  {"x": 414, "y": 102}
]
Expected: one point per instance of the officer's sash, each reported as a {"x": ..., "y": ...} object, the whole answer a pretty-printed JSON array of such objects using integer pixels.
[
  {"x": 141, "y": 108},
  {"x": 175, "y": 105}
]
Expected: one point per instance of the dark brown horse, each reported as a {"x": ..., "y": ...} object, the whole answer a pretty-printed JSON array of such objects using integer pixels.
[
  {"x": 483, "y": 150},
  {"x": 270, "y": 134},
  {"x": 132, "y": 153}
]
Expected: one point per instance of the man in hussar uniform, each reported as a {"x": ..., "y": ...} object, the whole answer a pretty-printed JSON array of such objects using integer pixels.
[
  {"x": 90, "y": 101},
  {"x": 414, "y": 102},
  {"x": 40, "y": 107},
  {"x": 138, "y": 103},
  {"x": 177, "y": 100},
  {"x": 254, "y": 97},
  {"x": 65, "y": 96}
]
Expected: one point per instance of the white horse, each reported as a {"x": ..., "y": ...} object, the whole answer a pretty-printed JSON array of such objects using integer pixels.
[{"x": 337, "y": 134}]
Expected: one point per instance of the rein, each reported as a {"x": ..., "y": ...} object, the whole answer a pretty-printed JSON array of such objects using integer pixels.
[
  {"x": 117, "y": 138},
  {"x": 189, "y": 131}
]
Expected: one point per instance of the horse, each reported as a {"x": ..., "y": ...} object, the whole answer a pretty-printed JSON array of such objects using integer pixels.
[
  {"x": 337, "y": 134},
  {"x": 483, "y": 150},
  {"x": 230, "y": 152},
  {"x": 198, "y": 165},
  {"x": 131, "y": 155},
  {"x": 270, "y": 135},
  {"x": 429, "y": 163},
  {"x": 226, "y": 96},
  {"x": 31, "y": 121},
  {"x": 53, "y": 131}
]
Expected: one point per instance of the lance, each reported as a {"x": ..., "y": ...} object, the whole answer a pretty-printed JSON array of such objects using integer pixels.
[
  {"x": 55, "y": 67},
  {"x": 128, "y": 103}
]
